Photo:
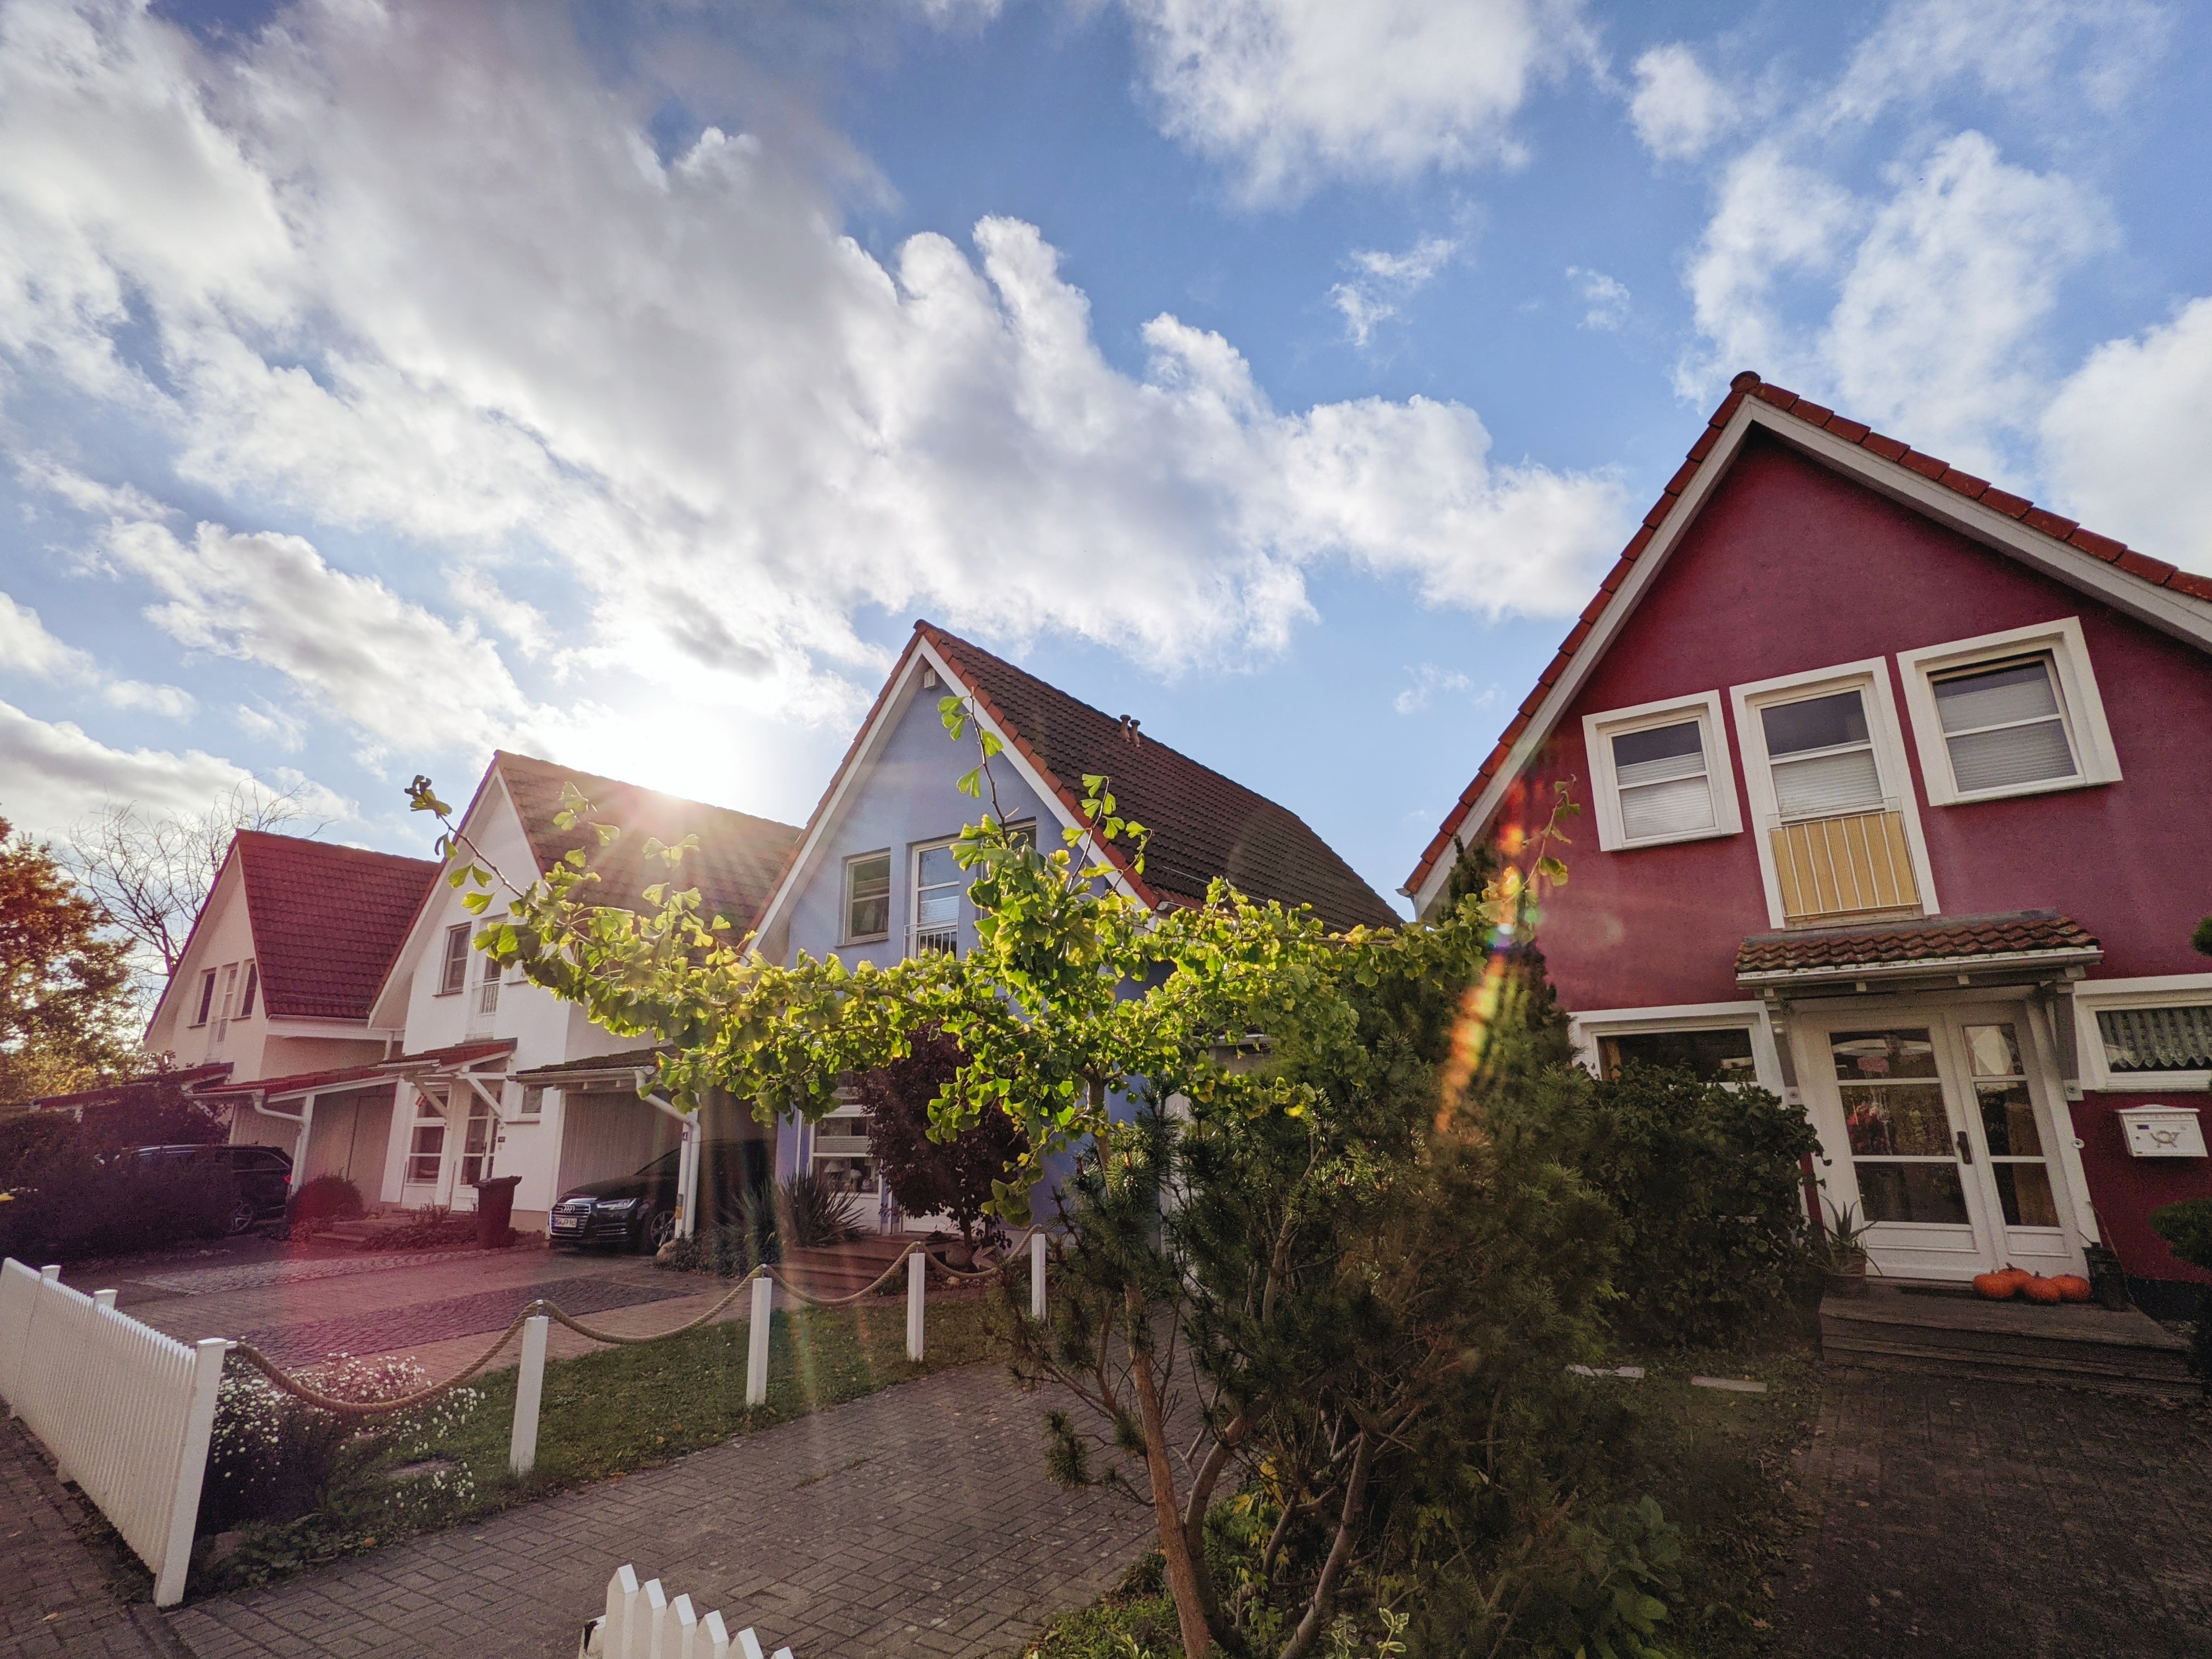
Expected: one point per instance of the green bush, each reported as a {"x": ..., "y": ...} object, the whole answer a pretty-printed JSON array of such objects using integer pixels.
[
  {"x": 727, "y": 1249},
  {"x": 75, "y": 1204},
  {"x": 2186, "y": 1227},
  {"x": 1707, "y": 1180}
]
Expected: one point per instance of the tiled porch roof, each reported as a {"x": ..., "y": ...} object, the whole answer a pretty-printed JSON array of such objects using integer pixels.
[
  {"x": 365, "y": 1074},
  {"x": 623, "y": 1060},
  {"x": 1931, "y": 942}
]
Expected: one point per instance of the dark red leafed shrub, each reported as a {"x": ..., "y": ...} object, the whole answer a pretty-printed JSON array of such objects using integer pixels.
[
  {"x": 934, "y": 1178},
  {"x": 326, "y": 1198}
]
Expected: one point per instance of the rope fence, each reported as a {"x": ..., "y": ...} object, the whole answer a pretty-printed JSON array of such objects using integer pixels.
[{"x": 535, "y": 1318}]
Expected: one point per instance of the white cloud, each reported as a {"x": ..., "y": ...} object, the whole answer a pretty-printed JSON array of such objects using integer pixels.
[
  {"x": 278, "y": 728},
  {"x": 1942, "y": 301},
  {"x": 1605, "y": 299},
  {"x": 1773, "y": 220},
  {"x": 2123, "y": 441},
  {"x": 399, "y": 672},
  {"x": 1678, "y": 110},
  {"x": 1292, "y": 92},
  {"x": 415, "y": 273},
  {"x": 2031, "y": 52},
  {"x": 26, "y": 647},
  {"x": 1384, "y": 281},
  {"x": 1428, "y": 681},
  {"x": 53, "y": 774}
]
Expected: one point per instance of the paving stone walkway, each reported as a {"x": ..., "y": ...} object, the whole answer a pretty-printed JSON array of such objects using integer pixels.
[
  {"x": 252, "y": 1275},
  {"x": 916, "y": 1520},
  {"x": 1997, "y": 1521},
  {"x": 388, "y": 1329},
  {"x": 58, "y": 1599}
]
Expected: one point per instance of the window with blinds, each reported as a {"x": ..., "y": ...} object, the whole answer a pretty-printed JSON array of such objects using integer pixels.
[
  {"x": 2172, "y": 1039},
  {"x": 2003, "y": 725},
  {"x": 1822, "y": 755},
  {"x": 1661, "y": 778}
]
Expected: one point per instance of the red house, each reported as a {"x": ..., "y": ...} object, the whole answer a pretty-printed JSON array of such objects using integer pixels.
[{"x": 1898, "y": 800}]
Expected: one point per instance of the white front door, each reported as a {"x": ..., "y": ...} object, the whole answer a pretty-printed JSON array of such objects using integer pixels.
[
  {"x": 1939, "y": 1125},
  {"x": 421, "y": 1182}
]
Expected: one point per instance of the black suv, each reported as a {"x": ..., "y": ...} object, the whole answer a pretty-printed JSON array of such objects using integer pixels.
[
  {"x": 263, "y": 1175},
  {"x": 638, "y": 1211}
]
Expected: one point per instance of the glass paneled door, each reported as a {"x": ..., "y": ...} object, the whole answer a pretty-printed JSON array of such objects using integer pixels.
[{"x": 1937, "y": 1125}]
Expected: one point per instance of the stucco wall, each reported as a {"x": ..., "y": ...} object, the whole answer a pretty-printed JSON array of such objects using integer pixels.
[{"x": 1792, "y": 568}]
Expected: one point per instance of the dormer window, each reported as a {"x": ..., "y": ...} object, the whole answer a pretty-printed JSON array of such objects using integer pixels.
[{"x": 253, "y": 986}]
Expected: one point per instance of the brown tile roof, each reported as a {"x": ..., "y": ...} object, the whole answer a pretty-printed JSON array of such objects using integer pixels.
[
  {"x": 1203, "y": 825},
  {"x": 1934, "y": 941},
  {"x": 735, "y": 867},
  {"x": 327, "y": 919},
  {"x": 2156, "y": 572},
  {"x": 623, "y": 1059},
  {"x": 371, "y": 1072}
]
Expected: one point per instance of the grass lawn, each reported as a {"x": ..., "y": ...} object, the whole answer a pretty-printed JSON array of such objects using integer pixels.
[
  {"x": 603, "y": 1414},
  {"x": 1718, "y": 1461}
]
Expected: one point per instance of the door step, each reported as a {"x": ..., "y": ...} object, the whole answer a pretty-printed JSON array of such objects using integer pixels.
[{"x": 2074, "y": 1345}]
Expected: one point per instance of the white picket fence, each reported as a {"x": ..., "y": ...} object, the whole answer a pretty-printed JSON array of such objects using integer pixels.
[
  {"x": 124, "y": 1410},
  {"x": 640, "y": 1622}
]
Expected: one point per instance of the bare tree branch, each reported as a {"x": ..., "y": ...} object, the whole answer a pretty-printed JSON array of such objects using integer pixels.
[{"x": 151, "y": 874}]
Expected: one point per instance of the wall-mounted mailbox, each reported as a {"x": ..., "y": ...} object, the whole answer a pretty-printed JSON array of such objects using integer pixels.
[{"x": 2163, "y": 1132}]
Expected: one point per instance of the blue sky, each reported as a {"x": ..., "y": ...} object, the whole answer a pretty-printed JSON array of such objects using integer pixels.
[{"x": 382, "y": 383}]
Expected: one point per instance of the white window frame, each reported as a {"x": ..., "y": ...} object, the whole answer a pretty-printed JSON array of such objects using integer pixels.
[
  {"x": 1871, "y": 677},
  {"x": 962, "y": 882},
  {"x": 2080, "y": 707},
  {"x": 847, "y": 936},
  {"x": 2158, "y": 991},
  {"x": 1584, "y": 1029},
  {"x": 445, "y": 960},
  {"x": 1599, "y": 730}
]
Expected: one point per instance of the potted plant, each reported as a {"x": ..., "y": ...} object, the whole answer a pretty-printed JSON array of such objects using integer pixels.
[{"x": 1843, "y": 1249}]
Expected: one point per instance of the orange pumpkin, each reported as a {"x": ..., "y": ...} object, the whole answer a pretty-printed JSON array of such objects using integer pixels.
[
  {"x": 1996, "y": 1286},
  {"x": 2018, "y": 1277},
  {"x": 2039, "y": 1289},
  {"x": 2072, "y": 1287}
]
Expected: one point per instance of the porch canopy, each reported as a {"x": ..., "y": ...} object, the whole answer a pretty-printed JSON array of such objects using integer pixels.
[{"x": 2020, "y": 947}]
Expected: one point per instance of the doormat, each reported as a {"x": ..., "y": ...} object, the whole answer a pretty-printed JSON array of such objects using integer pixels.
[{"x": 388, "y": 1328}]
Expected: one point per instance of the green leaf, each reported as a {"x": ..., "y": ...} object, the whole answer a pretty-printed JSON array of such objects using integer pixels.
[
  {"x": 474, "y": 903},
  {"x": 971, "y": 784}
]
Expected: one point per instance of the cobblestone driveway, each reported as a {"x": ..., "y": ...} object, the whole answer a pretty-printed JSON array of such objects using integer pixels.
[
  {"x": 1993, "y": 1521},
  {"x": 916, "y": 1520}
]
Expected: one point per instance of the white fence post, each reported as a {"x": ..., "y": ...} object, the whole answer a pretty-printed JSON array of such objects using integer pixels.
[
  {"x": 917, "y": 1278},
  {"x": 756, "y": 1341},
  {"x": 652, "y": 1642},
  {"x": 529, "y": 1390},
  {"x": 1037, "y": 1277},
  {"x": 191, "y": 1471}
]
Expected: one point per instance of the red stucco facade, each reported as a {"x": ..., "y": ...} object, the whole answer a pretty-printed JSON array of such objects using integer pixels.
[{"x": 1791, "y": 565}]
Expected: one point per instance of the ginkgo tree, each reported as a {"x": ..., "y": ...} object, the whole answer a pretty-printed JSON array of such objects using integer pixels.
[{"x": 1075, "y": 996}]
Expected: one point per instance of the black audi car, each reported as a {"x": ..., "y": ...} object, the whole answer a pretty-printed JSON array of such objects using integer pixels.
[
  {"x": 263, "y": 1175},
  {"x": 638, "y": 1211}
]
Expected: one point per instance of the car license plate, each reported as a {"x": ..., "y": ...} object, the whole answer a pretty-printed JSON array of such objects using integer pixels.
[{"x": 567, "y": 1224}]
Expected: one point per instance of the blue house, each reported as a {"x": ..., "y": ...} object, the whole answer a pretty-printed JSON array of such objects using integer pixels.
[{"x": 873, "y": 879}]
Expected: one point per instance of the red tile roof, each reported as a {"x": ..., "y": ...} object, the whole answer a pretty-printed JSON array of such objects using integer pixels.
[
  {"x": 327, "y": 919},
  {"x": 298, "y": 1083},
  {"x": 735, "y": 867},
  {"x": 1203, "y": 825},
  {"x": 1936, "y": 941},
  {"x": 191, "y": 1078},
  {"x": 2156, "y": 572}
]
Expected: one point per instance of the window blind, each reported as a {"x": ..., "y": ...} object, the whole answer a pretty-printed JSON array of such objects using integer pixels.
[
  {"x": 1660, "y": 774},
  {"x": 2003, "y": 726},
  {"x": 2157, "y": 1039},
  {"x": 1821, "y": 784}
]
